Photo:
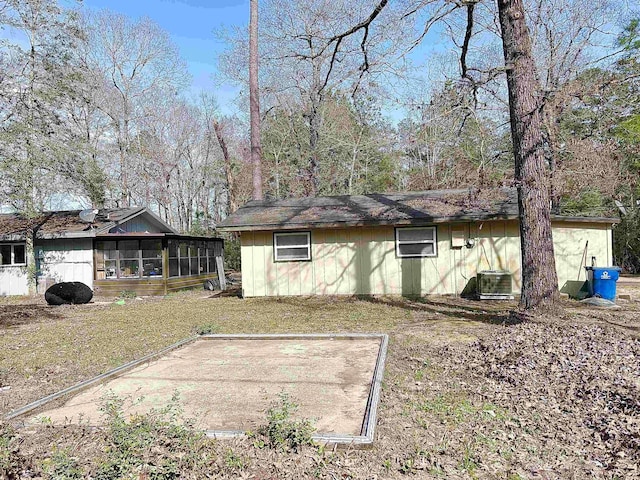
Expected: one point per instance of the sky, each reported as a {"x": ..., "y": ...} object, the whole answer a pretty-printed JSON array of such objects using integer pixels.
[{"x": 191, "y": 24}]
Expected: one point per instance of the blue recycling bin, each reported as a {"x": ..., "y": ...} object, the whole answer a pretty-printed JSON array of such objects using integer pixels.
[{"x": 602, "y": 281}]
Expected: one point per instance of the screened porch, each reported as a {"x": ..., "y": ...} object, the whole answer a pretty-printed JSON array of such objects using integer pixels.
[{"x": 155, "y": 264}]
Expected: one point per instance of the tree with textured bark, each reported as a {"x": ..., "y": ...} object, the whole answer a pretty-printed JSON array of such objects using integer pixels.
[
  {"x": 254, "y": 103},
  {"x": 539, "y": 279}
]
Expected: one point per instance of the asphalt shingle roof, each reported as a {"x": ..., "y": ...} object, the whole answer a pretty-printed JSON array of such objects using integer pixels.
[
  {"x": 374, "y": 209},
  {"x": 433, "y": 206},
  {"x": 61, "y": 223}
]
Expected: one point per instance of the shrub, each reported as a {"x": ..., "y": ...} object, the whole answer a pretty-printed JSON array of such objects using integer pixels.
[
  {"x": 128, "y": 294},
  {"x": 232, "y": 254},
  {"x": 154, "y": 445},
  {"x": 62, "y": 466},
  {"x": 207, "y": 328},
  {"x": 281, "y": 431},
  {"x": 11, "y": 462}
]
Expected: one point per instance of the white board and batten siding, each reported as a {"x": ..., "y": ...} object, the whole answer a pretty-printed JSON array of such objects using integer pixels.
[
  {"x": 61, "y": 260},
  {"x": 363, "y": 260},
  {"x": 13, "y": 280},
  {"x": 67, "y": 260}
]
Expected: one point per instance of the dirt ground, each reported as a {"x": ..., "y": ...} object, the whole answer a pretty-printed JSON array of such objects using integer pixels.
[{"x": 467, "y": 393}]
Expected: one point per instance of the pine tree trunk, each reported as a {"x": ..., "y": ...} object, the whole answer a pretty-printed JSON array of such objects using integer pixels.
[
  {"x": 539, "y": 279},
  {"x": 254, "y": 103}
]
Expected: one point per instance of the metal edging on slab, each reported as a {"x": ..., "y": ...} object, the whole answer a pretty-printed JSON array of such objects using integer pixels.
[
  {"x": 370, "y": 417},
  {"x": 290, "y": 336},
  {"x": 367, "y": 432},
  {"x": 371, "y": 414},
  {"x": 111, "y": 373}
]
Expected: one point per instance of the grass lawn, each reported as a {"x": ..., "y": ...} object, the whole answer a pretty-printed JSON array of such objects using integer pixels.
[
  {"x": 464, "y": 395},
  {"x": 44, "y": 349}
]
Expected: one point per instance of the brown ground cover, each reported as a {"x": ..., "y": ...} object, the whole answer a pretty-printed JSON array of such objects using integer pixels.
[{"x": 466, "y": 394}]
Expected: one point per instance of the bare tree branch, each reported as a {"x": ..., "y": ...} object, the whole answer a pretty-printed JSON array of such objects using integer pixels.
[
  {"x": 338, "y": 40},
  {"x": 467, "y": 39}
]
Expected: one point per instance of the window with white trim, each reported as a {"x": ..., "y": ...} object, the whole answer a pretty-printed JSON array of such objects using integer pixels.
[
  {"x": 13, "y": 254},
  {"x": 292, "y": 246},
  {"x": 416, "y": 242}
]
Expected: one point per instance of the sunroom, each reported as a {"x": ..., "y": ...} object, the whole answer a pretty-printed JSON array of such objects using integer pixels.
[{"x": 155, "y": 264}]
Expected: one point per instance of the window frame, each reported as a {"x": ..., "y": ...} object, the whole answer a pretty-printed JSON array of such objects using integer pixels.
[
  {"x": 148, "y": 259},
  {"x": 434, "y": 242},
  {"x": 13, "y": 254},
  {"x": 204, "y": 257},
  {"x": 101, "y": 259},
  {"x": 285, "y": 234}
]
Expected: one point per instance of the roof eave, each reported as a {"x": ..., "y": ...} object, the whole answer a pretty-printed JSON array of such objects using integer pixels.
[
  {"x": 569, "y": 218},
  {"x": 47, "y": 236},
  {"x": 366, "y": 223},
  {"x": 13, "y": 237},
  {"x": 53, "y": 236},
  {"x": 404, "y": 221}
]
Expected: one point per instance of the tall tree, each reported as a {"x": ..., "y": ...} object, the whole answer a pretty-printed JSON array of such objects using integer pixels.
[
  {"x": 307, "y": 54},
  {"x": 540, "y": 285},
  {"x": 135, "y": 65},
  {"x": 37, "y": 79},
  {"x": 254, "y": 103},
  {"x": 36, "y": 150},
  {"x": 539, "y": 279}
]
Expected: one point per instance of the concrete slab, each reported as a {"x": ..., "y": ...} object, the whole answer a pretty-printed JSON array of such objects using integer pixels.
[{"x": 226, "y": 384}]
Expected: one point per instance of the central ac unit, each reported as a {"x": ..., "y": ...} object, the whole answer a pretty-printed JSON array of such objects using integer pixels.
[{"x": 494, "y": 285}]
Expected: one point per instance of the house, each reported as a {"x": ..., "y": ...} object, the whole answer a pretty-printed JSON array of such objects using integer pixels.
[
  {"x": 418, "y": 243},
  {"x": 110, "y": 250}
]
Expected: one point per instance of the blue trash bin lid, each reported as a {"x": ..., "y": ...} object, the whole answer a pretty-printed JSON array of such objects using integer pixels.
[{"x": 605, "y": 273}]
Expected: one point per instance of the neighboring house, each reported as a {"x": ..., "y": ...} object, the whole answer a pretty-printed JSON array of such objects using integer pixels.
[
  {"x": 120, "y": 249},
  {"x": 420, "y": 243}
]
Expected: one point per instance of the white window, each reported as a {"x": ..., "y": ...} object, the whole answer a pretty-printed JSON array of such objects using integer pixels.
[
  {"x": 13, "y": 254},
  {"x": 290, "y": 247},
  {"x": 416, "y": 242}
]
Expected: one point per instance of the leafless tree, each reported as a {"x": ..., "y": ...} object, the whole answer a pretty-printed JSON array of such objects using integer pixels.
[
  {"x": 135, "y": 64},
  {"x": 307, "y": 53}
]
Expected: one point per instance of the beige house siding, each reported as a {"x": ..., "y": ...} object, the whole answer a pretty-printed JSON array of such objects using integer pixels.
[
  {"x": 572, "y": 251},
  {"x": 362, "y": 260}
]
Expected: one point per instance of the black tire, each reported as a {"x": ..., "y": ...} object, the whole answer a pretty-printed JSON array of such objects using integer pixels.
[
  {"x": 65, "y": 293},
  {"x": 209, "y": 285}
]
